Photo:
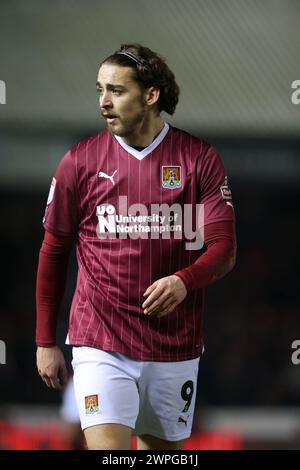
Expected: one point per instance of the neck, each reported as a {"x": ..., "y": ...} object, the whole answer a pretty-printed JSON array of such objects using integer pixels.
[{"x": 145, "y": 133}]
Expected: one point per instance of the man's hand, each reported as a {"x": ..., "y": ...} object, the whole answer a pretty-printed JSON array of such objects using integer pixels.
[
  {"x": 164, "y": 295},
  {"x": 52, "y": 367}
]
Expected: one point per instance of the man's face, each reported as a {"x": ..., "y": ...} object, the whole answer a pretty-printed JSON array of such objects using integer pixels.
[{"x": 122, "y": 102}]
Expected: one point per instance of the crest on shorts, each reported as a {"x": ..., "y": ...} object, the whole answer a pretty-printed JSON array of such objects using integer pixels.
[
  {"x": 171, "y": 176},
  {"x": 91, "y": 404}
]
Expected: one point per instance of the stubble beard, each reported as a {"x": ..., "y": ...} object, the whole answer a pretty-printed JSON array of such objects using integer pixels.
[{"x": 129, "y": 127}]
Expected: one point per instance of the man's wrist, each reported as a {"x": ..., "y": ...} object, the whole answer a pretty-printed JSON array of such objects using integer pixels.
[
  {"x": 45, "y": 344},
  {"x": 184, "y": 279}
]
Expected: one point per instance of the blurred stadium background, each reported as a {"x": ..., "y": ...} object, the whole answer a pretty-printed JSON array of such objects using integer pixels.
[{"x": 235, "y": 61}]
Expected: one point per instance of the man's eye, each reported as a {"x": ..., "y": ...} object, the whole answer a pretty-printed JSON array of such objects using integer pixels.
[
  {"x": 99, "y": 90},
  {"x": 117, "y": 92}
]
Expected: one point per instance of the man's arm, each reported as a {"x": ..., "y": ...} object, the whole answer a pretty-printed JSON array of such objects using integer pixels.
[
  {"x": 217, "y": 260},
  {"x": 50, "y": 287}
]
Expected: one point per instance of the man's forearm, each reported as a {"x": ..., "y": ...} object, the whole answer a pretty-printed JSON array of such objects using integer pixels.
[
  {"x": 50, "y": 286},
  {"x": 216, "y": 261}
]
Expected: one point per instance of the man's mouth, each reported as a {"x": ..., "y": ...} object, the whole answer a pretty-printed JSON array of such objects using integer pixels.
[{"x": 109, "y": 117}]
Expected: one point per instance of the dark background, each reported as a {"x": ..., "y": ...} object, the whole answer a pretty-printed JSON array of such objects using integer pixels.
[
  {"x": 235, "y": 62},
  {"x": 251, "y": 317}
]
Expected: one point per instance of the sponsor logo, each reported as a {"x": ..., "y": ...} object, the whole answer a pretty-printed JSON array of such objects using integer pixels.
[
  {"x": 101, "y": 174},
  {"x": 91, "y": 404},
  {"x": 159, "y": 221},
  {"x": 171, "y": 176}
]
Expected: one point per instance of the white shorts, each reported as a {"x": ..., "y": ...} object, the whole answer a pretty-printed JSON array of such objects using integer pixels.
[
  {"x": 68, "y": 409},
  {"x": 156, "y": 398}
]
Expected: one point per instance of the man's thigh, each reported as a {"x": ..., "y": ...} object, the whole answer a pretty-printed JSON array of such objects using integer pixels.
[
  {"x": 108, "y": 437},
  {"x": 148, "y": 442}
]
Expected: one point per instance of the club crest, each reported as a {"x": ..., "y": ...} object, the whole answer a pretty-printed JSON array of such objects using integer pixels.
[
  {"x": 91, "y": 404},
  {"x": 171, "y": 177}
]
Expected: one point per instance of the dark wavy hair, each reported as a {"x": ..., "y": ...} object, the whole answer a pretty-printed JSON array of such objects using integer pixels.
[{"x": 150, "y": 69}]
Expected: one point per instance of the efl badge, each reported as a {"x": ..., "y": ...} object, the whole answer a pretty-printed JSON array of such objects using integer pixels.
[
  {"x": 225, "y": 190},
  {"x": 91, "y": 404},
  {"x": 171, "y": 177}
]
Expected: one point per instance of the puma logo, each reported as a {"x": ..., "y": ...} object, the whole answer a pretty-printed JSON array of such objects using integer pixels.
[
  {"x": 182, "y": 420},
  {"x": 101, "y": 174}
]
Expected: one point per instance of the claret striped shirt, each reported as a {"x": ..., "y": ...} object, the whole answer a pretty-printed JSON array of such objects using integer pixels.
[{"x": 133, "y": 215}]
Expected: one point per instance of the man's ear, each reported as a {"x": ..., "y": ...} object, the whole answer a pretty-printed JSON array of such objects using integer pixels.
[{"x": 152, "y": 95}]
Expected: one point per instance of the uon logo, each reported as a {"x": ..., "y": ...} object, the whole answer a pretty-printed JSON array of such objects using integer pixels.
[
  {"x": 2, "y": 92},
  {"x": 159, "y": 221},
  {"x": 2, "y": 352}
]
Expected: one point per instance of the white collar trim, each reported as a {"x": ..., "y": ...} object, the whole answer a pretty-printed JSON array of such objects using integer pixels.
[{"x": 143, "y": 153}]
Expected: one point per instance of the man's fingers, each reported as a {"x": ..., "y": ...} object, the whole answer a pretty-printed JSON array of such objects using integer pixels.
[
  {"x": 153, "y": 297},
  {"x": 167, "y": 310},
  {"x": 150, "y": 289},
  {"x": 52, "y": 367},
  {"x": 52, "y": 381},
  {"x": 46, "y": 380},
  {"x": 56, "y": 384},
  {"x": 169, "y": 301},
  {"x": 164, "y": 311},
  {"x": 155, "y": 293},
  {"x": 64, "y": 375},
  {"x": 162, "y": 294},
  {"x": 157, "y": 304}
]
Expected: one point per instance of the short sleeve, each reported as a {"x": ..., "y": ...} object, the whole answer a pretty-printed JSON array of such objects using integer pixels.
[
  {"x": 215, "y": 193},
  {"x": 62, "y": 210}
]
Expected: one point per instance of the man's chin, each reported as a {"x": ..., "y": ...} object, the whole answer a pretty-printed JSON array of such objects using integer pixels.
[
  {"x": 117, "y": 130},
  {"x": 112, "y": 128}
]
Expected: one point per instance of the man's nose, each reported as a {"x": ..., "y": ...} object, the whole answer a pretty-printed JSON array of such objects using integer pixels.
[{"x": 105, "y": 100}]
